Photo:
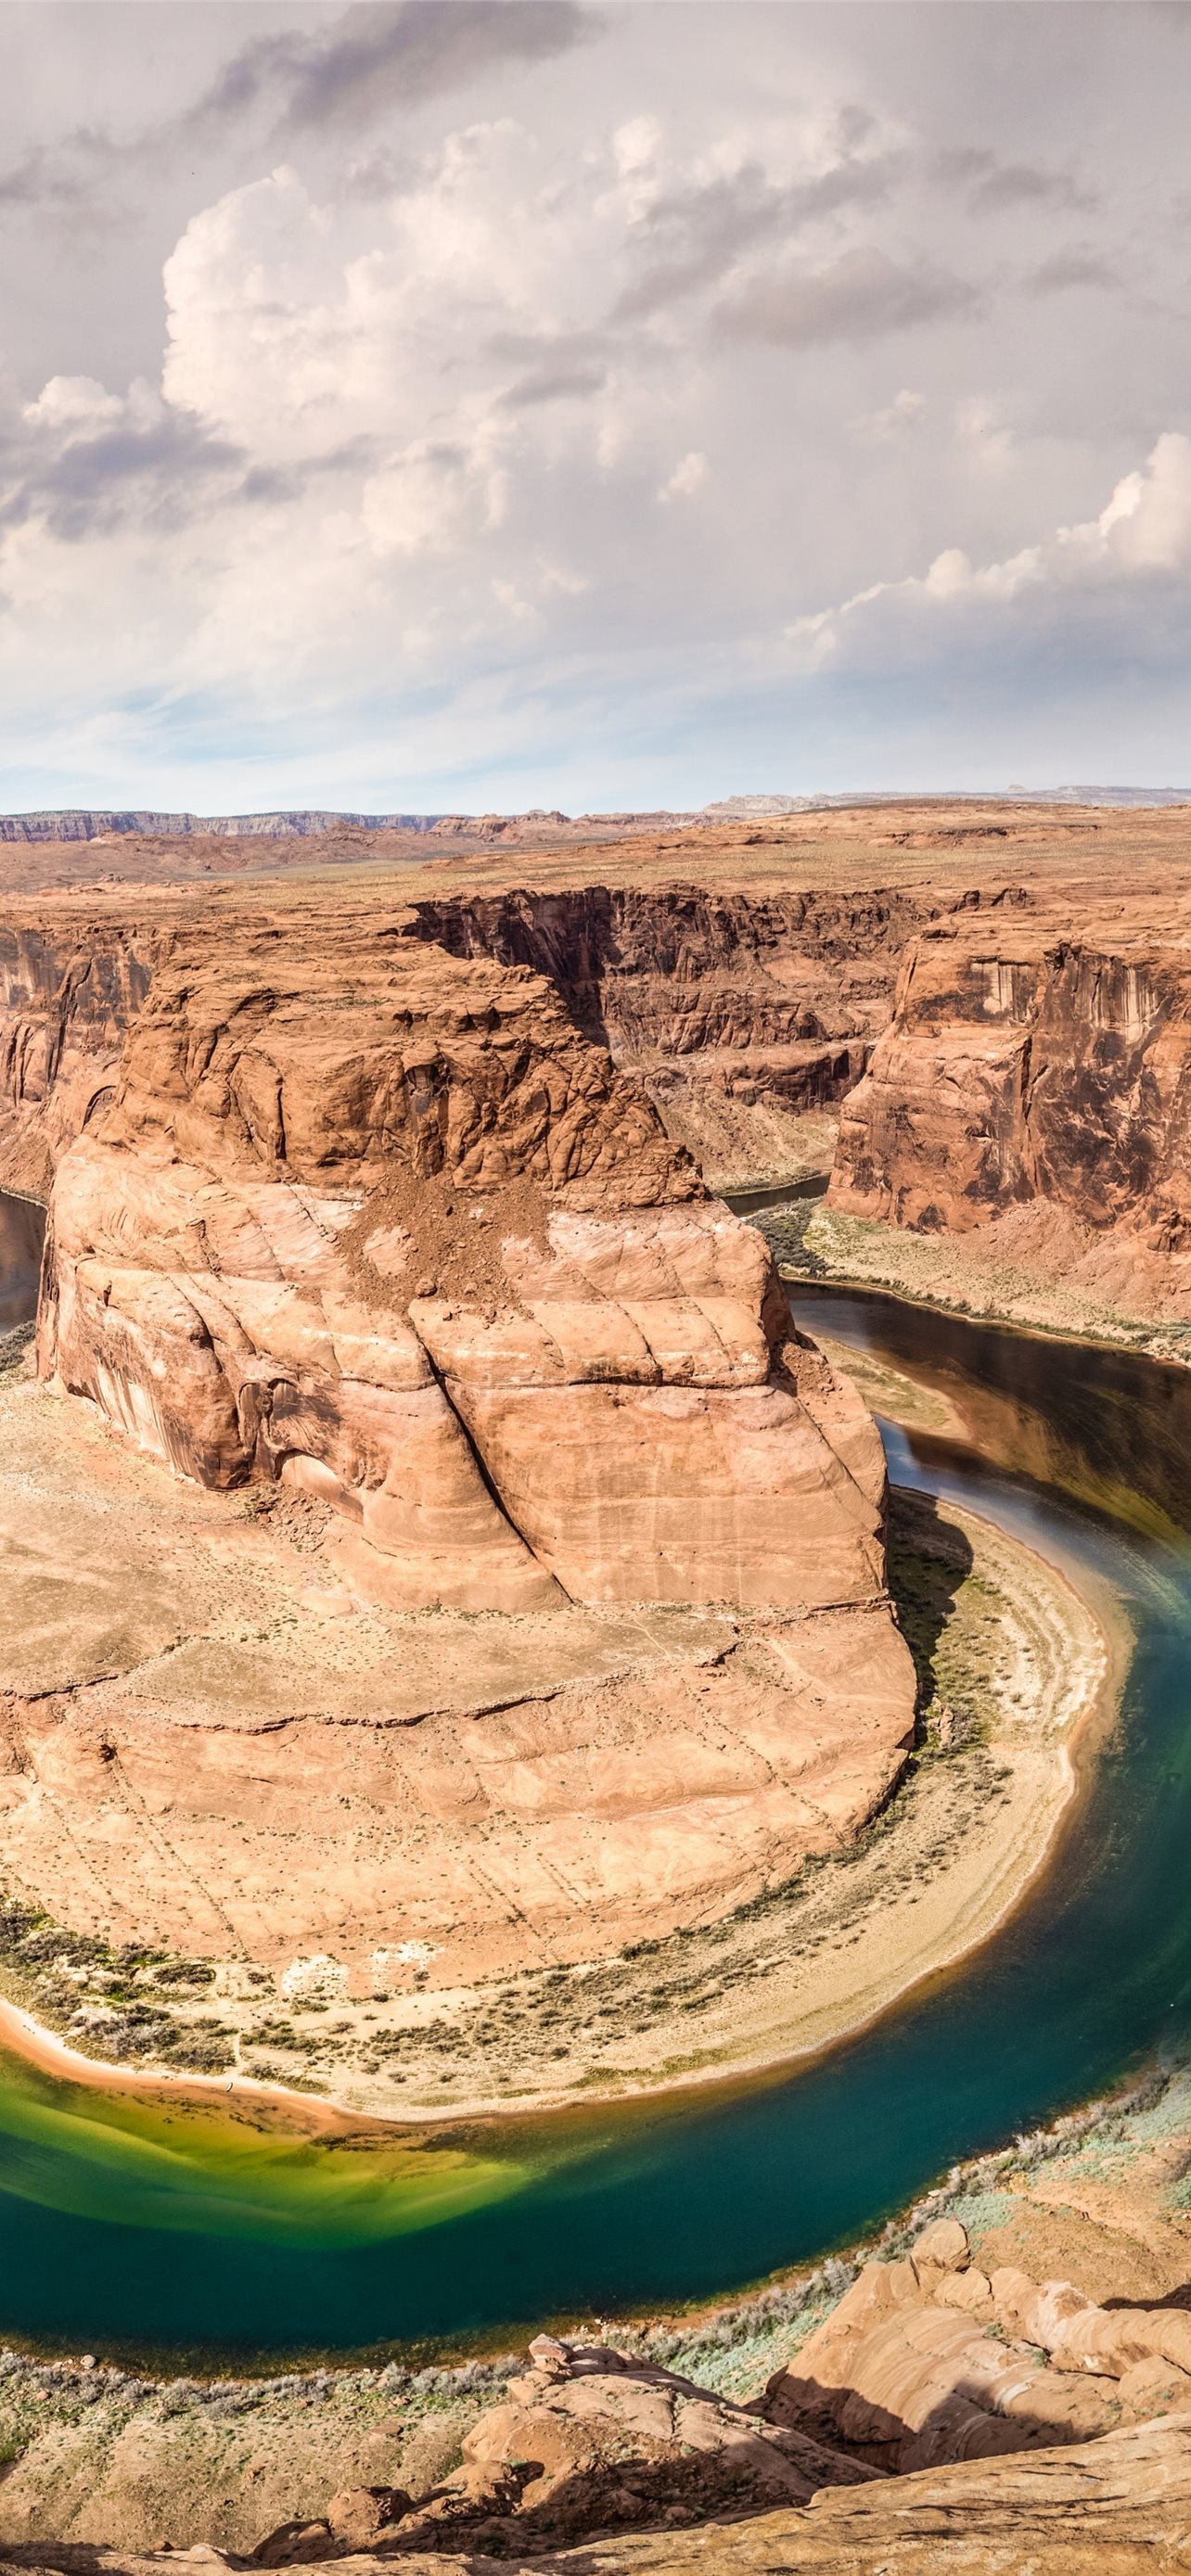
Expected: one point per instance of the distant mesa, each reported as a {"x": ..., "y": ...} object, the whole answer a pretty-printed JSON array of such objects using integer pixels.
[{"x": 89, "y": 823}]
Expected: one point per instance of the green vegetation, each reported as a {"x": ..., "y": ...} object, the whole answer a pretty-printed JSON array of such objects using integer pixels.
[
  {"x": 951, "y": 1620},
  {"x": 120, "y": 2001}
]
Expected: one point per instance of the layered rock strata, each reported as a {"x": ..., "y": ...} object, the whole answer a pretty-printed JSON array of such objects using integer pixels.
[
  {"x": 1040, "y": 1086},
  {"x": 384, "y": 1224},
  {"x": 382, "y": 1227},
  {"x": 69, "y": 992},
  {"x": 742, "y": 1011},
  {"x": 747, "y": 998},
  {"x": 1116, "y": 2507}
]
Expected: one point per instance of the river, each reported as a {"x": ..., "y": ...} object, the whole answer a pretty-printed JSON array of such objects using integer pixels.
[
  {"x": 193, "y": 2235},
  {"x": 22, "y": 1232}
]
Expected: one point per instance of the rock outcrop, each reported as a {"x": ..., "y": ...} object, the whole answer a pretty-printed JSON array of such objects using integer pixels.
[
  {"x": 926, "y": 2366},
  {"x": 743, "y": 1012},
  {"x": 588, "y": 2440},
  {"x": 642, "y": 2479},
  {"x": 931, "y": 2360},
  {"x": 1035, "y": 1087},
  {"x": 383, "y": 1223},
  {"x": 69, "y": 991},
  {"x": 1116, "y": 2507},
  {"x": 382, "y": 1229}
]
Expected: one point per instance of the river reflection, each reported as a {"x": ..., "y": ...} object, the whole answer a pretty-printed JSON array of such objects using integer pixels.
[
  {"x": 1108, "y": 1429},
  {"x": 22, "y": 1233}
]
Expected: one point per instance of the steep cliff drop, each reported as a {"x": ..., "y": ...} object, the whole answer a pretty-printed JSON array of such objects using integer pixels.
[
  {"x": 1030, "y": 1097},
  {"x": 379, "y": 1228}
]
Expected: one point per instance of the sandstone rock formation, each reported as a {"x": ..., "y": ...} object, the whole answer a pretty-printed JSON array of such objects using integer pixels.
[
  {"x": 925, "y": 2364},
  {"x": 733, "y": 1005},
  {"x": 743, "y": 1012},
  {"x": 932, "y": 2360},
  {"x": 588, "y": 2440},
  {"x": 69, "y": 991},
  {"x": 901, "y": 2382},
  {"x": 382, "y": 1222},
  {"x": 1033, "y": 1085},
  {"x": 382, "y": 1228},
  {"x": 1116, "y": 2507}
]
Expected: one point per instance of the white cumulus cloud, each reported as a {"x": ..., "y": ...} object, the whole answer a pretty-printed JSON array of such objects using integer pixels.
[{"x": 1142, "y": 533}]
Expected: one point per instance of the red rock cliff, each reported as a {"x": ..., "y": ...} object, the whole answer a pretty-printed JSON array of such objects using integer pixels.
[
  {"x": 382, "y": 1221},
  {"x": 1028, "y": 1070},
  {"x": 69, "y": 990}
]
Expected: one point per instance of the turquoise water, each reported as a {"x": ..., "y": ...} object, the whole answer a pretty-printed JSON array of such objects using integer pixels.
[{"x": 189, "y": 2234}]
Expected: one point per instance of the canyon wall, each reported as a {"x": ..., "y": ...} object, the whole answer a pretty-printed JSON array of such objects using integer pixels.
[
  {"x": 1035, "y": 1088},
  {"x": 69, "y": 990},
  {"x": 380, "y": 1232},
  {"x": 382, "y": 1222},
  {"x": 741, "y": 1011}
]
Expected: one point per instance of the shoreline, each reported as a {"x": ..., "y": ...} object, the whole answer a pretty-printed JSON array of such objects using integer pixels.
[
  {"x": 795, "y": 2016},
  {"x": 937, "y": 1275}
]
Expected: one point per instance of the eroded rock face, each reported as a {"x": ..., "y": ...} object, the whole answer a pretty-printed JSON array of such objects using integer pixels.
[
  {"x": 1030, "y": 1071},
  {"x": 1115, "y": 2507},
  {"x": 381, "y": 1227},
  {"x": 743, "y": 1011},
  {"x": 589, "y": 2440},
  {"x": 932, "y": 2361},
  {"x": 383, "y": 1223},
  {"x": 69, "y": 991}
]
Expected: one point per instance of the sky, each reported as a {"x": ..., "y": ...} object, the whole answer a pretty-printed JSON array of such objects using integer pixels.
[{"x": 467, "y": 405}]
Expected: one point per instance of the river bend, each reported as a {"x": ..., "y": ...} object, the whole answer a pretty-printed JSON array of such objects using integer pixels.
[{"x": 193, "y": 2234}]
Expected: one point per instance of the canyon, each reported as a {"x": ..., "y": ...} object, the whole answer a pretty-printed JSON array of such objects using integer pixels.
[
  {"x": 439, "y": 1568},
  {"x": 951, "y": 2399},
  {"x": 382, "y": 1236}
]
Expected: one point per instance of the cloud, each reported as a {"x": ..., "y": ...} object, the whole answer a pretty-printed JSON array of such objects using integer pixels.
[
  {"x": 386, "y": 55},
  {"x": 92, "y": 461},
  {"x": 561, "y": 380},
  {"x": 1142, "y": 537},
  {"x": 906, "y": 411},
  {"x": 1077, "y": 266},
  {"x": 982, "y": 433},
  {"x": 857, "y": 297},
  {"x": 533, "y": 423},
  {"x": 992, "y": 185},
  {"x": 77, "y": 404},
  {"x": 378, "y": 58},
  {"x": 688, "y": 477},
  {"x": 61, "y": 177},
  {"x": 690, "y": 237}
]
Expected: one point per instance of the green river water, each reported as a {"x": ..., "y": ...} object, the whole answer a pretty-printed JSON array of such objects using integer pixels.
[{"x": 185, "y": 2233}]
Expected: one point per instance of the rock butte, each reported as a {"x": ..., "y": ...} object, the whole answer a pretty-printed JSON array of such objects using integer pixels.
[{"x": 353, "y": 1215}]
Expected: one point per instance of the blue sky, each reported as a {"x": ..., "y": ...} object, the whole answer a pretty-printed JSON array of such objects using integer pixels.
[{"x": 471, "y": 404}]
